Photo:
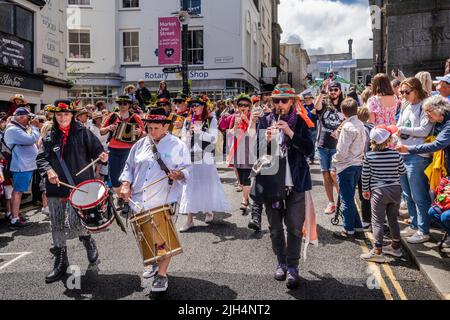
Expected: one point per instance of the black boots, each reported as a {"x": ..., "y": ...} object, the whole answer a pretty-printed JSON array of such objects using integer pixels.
[
  {"x": 91, "y": 248},
  {"x": 61, "y": 265},
  {"x": 255, "y": 222}
]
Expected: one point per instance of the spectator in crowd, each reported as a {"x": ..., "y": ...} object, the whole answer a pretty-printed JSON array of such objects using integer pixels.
[
  {"x": 381, "y": 184},
  {"x": 16, "y": 101},
  {"x": 427, "y": 83},
  {"x": 352, "y": 94},
  {"x": 21, "y": 139},
  {"x": 396, "y": 87},
  {"x": 130, "y": 91},
  {"x": 6, "y": 182},
  {"x": 437, "y": 109},
  {"x": 143, "y": 95},
  {"x": 100, "y": 105},
  {"x": 366, "y": 95},
  {"x": 82, "y": 116},
  {"x": 364, "y": 115},
  {"x": 443, "y": 86},
  {"x": 163, "y": 92},
  {"x": 312, "y": 114},
  {"x": 414, "y": 127},
  {"x": 383, "y": 105},
  {"x": 348, "y": 161},
  {"x": 38, "y": 183},
  {"x": 330, "y": 118}
]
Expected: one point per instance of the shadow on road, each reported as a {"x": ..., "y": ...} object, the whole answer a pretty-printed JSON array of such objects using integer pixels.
[
  {"x": 181, "y": 288},
  {"x": 4, "y": 241}
]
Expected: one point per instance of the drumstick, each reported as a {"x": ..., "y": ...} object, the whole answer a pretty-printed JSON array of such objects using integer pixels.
[
  {"x": 162, "y": 179},
  {"x": 71, "y": 187},
  {"x": 135, "y": 204},
  {"x": 87, "y": 167}
]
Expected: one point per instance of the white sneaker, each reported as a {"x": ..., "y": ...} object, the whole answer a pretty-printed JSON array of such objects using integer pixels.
[
  {"x": 186, "y": 227},
  {"x": 403, "y": 205},
  {"x": 418, "y": 237},
  {"x": 446, "y": 244},
  {"x": 408, "y": 232},
  {"x": 209, "y": 218},
  {"x": 46, "y": 211},
  {"x": 390, "y": 251},
  {"x": 373, "y": 257},
  {"x": 150, "y": 272}
]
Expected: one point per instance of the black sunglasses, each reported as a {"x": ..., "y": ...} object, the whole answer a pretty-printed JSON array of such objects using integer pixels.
[
  {"x": 123, "y": 104},
  {"x": 195, "y": 105},
  {"x": 405, "y": 92},
  {"x": 283, "y": 101},
  {"x": 334, "y": 90},
  {"x": 244, "y": 105}
]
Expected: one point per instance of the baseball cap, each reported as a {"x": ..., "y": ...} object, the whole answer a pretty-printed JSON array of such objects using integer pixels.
[
  {"x": 445, "y": 78},
  {"x": 380, "y": 134},
  {"x": 335, "y": 84},
  {"x": 23, "y": 112}
]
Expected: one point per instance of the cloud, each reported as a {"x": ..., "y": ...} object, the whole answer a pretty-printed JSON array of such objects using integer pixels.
[{"x": 324, "y": 26}]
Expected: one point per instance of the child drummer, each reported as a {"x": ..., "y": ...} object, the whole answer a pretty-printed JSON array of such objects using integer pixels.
[{"x": 142, "y": 168}]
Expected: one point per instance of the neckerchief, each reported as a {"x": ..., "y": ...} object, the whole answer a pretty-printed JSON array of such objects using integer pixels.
[{"x": 65, "y": 131}]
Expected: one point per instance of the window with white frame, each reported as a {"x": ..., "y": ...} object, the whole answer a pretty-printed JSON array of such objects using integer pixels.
[
  {"x": 130, "y": 46},
  {"x": 195, "y": 48},
  {"x": 79, "y": 44},
  {"x": 130, "y": 4},
  {"x": 79, "y": 2},
  {"x": 194, "y": 6}
]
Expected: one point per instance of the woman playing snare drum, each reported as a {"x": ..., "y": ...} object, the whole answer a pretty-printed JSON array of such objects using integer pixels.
[{"x": 142, "y": 169}]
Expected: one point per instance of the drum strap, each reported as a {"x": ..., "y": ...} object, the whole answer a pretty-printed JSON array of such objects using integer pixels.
[
  {"x": 57, "y": 150},
  {"x": 161, "y": 163}
]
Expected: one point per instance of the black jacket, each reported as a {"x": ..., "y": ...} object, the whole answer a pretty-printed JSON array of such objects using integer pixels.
[
  {"x": 144, "y": 96},
  {"x": 82, "y": 147},
  {"x": 299, "y": 147}
]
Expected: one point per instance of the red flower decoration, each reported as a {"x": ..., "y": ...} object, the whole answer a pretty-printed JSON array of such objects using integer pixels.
[{"x": 63, "y": 106}]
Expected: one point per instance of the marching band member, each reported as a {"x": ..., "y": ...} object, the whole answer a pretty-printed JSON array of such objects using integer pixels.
[
  {"x": 65, "y": 150},
  {"x": 200, "y": 135},
  {"x": 143, "y": 167},
  {"x": 120, "y": 150}
]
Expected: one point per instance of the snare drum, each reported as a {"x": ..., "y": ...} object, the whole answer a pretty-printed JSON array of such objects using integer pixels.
[
  {"x": 126, "y": 132},
  {"x": 155, "y": 235},
  {"x": 93, "y": 207}
]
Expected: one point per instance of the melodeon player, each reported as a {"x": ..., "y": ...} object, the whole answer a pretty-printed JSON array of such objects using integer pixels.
[
  {"x": 158, "y": 156},
  {"x": 124, "y": 129}
]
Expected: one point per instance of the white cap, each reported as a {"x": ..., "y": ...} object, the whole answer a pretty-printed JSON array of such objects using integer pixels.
[{"x": 379, "y": 135}]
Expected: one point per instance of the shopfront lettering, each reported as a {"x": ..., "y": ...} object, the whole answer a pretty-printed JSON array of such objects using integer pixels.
[
  {"x": 156, "y": 76},
  {"x": 198, "y": 75},
  {"x": 8, "y": 80}
]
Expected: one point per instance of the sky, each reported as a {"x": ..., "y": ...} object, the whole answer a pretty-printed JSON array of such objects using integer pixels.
[{"x": 324, "y": 26}]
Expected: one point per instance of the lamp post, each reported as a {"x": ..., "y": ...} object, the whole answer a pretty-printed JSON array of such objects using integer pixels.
[{"x": 184, "y": 50}]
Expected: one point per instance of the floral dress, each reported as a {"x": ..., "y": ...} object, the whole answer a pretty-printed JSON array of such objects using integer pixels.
[{"x": 383, "y": 115}]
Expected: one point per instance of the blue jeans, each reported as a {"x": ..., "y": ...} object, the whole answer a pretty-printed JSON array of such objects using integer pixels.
[
  {"x": 348, "y": 180},
  {"x": 117, "y": 160},
  {"x": 442, "y": 218},
  {"x": 416, "y": 191}
]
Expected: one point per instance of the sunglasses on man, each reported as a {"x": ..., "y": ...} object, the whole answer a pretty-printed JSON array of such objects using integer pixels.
[
  {"x": 283, "y": 101},
  {"x": 334, "y": 90}
]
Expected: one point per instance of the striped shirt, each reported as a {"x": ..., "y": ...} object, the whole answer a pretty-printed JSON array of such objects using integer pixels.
[{"x": 382, "y": 169}]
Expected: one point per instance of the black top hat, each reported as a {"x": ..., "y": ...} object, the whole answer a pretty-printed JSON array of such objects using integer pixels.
[{"x": 180, "y": 98}]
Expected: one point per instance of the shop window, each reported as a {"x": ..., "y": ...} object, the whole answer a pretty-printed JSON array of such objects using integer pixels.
[
  {"x": 16, "y": 36},
  {"x": 194, "y": 6}
]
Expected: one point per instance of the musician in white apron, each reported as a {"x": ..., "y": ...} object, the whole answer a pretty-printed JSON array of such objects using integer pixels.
[{"x": 142, "y": 168}]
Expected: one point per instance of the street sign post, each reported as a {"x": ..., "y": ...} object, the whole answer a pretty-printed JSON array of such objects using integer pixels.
[{"x": 177, "y": 69}]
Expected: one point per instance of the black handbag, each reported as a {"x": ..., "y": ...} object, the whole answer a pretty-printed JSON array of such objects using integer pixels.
[{"x": 270, "y": 184}]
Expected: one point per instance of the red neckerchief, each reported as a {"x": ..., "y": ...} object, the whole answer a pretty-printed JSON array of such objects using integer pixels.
[{"x": 65, "y": 132}]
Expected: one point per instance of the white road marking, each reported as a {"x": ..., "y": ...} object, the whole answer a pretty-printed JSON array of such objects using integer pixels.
[{"x": 21, "y": 255}]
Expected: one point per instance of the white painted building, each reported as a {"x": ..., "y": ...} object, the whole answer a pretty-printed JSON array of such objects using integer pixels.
[
  {"x": 114, "y": 43},
  {"x": 33, "y": 51}
]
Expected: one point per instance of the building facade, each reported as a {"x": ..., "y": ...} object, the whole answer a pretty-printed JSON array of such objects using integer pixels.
[
  {"x": 412, "y": 35},
  {"x": 33, "y": 56},
  {"x": 297, "y": 65},
  {"x": 114, "y": 43}
]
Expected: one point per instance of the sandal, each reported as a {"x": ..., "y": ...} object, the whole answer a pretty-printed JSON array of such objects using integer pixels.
[{"x": 239, "y": 189}]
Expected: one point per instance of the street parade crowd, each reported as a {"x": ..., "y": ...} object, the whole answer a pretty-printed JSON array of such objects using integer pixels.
[{"x": 151, "y": 162}]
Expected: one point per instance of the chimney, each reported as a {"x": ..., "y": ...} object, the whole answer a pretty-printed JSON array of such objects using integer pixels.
[{"x": 350, "y": 46}]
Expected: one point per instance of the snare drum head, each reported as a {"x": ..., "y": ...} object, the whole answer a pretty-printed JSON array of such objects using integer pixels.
[{"x": 96, "y": 193}]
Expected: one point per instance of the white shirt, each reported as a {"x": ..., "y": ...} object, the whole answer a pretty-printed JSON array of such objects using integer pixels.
[{"x": 142, "y": 169}]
